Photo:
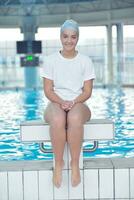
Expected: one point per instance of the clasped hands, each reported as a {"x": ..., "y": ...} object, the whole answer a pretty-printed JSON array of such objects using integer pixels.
[{"x": 67, "y": 105}]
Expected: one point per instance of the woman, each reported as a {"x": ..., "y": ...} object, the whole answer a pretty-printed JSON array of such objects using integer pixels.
[{"x": 68, "y": 81}]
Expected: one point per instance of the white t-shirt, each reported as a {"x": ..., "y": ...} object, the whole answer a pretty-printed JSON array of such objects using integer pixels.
[{"x": 68, "y": 75}]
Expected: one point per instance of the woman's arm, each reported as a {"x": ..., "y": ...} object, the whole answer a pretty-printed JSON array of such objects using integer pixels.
[
  {"x": 49, "y": 92},
  {"x": 53, "y": 97},
  {"x": 87, "y": 91}
]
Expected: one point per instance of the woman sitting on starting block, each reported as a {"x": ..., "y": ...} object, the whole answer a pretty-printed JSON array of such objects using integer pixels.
[{"x": 68, "y": 81}]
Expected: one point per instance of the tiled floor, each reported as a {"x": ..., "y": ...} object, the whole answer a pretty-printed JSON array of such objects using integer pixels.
[{"x": 104, "y": 179}]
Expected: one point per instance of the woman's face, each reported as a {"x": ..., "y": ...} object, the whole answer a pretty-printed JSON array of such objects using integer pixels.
[{"x": 69, "y": 39}]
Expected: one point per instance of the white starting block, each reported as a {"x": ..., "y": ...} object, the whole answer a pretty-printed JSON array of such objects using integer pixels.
[{"x": 94, "y": 130}]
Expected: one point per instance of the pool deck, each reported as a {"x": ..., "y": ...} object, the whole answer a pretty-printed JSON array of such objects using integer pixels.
[
  {"x": 89, "y": 163},
  {"x": 102, "y": 178}
]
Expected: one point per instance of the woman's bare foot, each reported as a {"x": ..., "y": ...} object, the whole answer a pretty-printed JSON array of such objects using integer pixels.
[
  {"x": 57, "y": 174},
  {"x": 75, "y": 174}
]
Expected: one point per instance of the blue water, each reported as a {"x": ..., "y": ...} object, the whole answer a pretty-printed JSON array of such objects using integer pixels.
[{"x": 20, "y": 105}]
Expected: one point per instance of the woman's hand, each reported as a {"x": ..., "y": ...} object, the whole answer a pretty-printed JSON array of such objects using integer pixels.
[{"x": 67, "y": 105}]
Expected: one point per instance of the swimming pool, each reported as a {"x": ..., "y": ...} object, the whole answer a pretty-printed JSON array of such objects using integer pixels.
[{"x": 20, "y": 105}]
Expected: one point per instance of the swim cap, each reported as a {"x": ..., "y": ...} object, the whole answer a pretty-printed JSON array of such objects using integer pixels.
[{"x": 70, "y": 24}]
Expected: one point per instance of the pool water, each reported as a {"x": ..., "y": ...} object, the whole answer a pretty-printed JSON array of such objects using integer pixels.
[{"x": 17, "y": 106}]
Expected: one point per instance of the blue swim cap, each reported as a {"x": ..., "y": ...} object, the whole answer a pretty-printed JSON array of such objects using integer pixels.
[{"x": 70, "y": 24}]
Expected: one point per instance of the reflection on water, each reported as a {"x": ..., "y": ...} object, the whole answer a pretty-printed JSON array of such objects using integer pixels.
[{"x": 113, "y": 103}]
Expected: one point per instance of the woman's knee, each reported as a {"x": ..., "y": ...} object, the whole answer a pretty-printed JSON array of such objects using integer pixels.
[
  {"x": 79, "y": 115},
  {"x": 74, "y": 119},
  {"x": 55, "y": 116},
  {"x": 57, "y": 120}
]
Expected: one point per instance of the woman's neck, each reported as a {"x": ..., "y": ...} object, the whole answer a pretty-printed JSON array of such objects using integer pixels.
[{"x": 68, "y": 54}]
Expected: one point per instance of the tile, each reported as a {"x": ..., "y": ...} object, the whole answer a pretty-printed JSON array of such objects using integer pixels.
[
  {"x": 15, "y": 185},
  {"x": 76, "y": 192},
  {"x": 123, "y": 162},
  {"x": 96, "y": 163},
  {"x": 3, "y": 186},
  {"x": 121, "y": 183},
  {"x": 30, "y": 185},
  {"x": 91, "y": 184},
  {"x": 45, "y": 185},
  {"x": 106, "y": 183},
  {"x": 132, "y": 183},
  {"x": 25, "y": 165},
  {"x": 62, "y": 192}
]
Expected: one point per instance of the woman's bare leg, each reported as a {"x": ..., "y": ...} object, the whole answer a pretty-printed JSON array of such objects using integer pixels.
[
  {"x": 76, "y": 117},
  {"x": 56, "y": 117}
]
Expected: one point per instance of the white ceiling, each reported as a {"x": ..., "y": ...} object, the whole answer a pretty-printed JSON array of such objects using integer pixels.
[{"x": 47, "y": 13}]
